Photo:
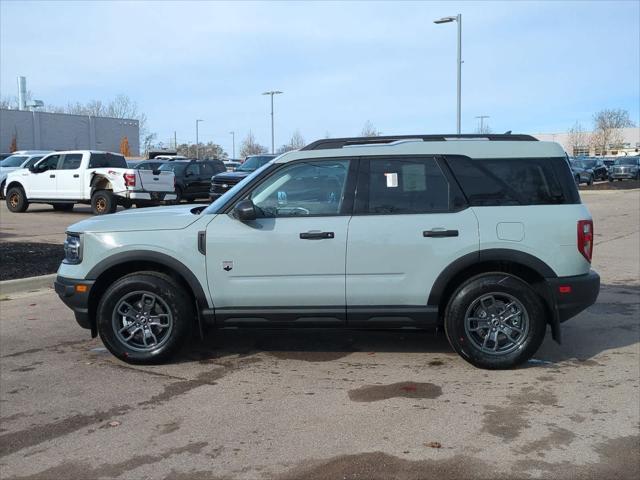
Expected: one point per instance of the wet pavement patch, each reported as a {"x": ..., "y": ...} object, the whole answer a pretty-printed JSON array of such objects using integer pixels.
[
  {"x": 375, "y": 393},
  {"x": 310, "y": 356}
]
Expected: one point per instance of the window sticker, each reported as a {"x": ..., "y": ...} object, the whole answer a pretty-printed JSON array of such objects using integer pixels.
[{"x": 392, "y": 180}]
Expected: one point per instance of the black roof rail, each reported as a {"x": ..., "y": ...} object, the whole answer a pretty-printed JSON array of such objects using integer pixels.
[{"x": 327, "y": 143}]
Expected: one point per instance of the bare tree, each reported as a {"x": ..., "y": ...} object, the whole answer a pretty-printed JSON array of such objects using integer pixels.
[
  {"x": 483, "y": 128},
  {"x": 295, "y": 143},
  {"x": 578, "y": 138},
  {"x": 250, "y": 146},
  {"x": 607, "y": 124},
  {"x": 147, "y": 142},
  {"x": 369, "y": 130}
]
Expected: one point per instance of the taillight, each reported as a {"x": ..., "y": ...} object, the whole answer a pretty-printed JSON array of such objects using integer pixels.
[
  {"x": 129, "y": 179},
  {"x": 585, "y": 238}
]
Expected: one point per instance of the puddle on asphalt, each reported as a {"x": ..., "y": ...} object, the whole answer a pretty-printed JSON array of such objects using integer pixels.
[{"x": 374, "y": 393}]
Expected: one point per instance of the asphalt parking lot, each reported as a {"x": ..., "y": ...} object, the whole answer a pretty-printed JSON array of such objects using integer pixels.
[{"x": 330, "y": 404}]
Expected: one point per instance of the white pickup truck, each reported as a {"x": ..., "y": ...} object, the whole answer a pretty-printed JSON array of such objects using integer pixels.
[{"x": 102, "y": 179}]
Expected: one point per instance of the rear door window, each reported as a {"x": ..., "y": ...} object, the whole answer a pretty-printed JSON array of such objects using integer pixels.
[
  {"x": 71, "y": 161},
  {"x": 396, "y": 186}
]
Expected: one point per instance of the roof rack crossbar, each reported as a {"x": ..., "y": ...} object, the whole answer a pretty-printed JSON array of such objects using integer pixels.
[{"x": 328, "y": 143}]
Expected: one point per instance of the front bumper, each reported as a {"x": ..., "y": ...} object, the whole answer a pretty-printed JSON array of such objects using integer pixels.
[
  {"x": 627, "y": 175},
  {"x": 75, "y": 295},
  {"x": 572, "y": 295}
]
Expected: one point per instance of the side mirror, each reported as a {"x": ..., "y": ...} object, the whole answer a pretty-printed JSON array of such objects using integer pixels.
[
  {"x": 245, "y": 211},
  {"x": 38, "y": 168}
]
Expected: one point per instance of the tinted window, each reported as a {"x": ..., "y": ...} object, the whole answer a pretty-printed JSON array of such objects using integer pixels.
[
  {"x": 193, "y": 169},
  {"x": 515, "y": 181},
  {"x": 32, "y": 161},
  {"x": 176, "y": 167},
  {"x": 303, "y": 189},
  {"x": 71, "y": 161},
  {"x": 627, "y": 161},
  {"x": 213, "y": 168},
  {"x": 103, "y": 160},
  {"x": 404, "y": 186},
  {"x": 51, "y": 163},
  {"x": 13, "y": 161},
  {"x": 254, "y": 162}
]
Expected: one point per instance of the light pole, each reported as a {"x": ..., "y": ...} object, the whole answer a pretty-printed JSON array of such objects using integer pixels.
[
  {"x": 482, "y": 117},
  {"x": 457, "y": 18},
  {"x": 233, "y": 140},
  {"x": 272, "y": 93},
  {"x": 198, "y": 140}
]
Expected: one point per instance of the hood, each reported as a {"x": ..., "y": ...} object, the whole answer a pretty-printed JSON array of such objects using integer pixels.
[
  {"x": 231, "y": 177},
  {"x": 153, "y": 218}
]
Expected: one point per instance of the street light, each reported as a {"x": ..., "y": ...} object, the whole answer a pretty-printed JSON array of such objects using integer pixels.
[
  {"x": 272, "y": 93},
  {"x": 233, "y": 139},
  {"x": 197, "y": 140},
  {"x": 457, "y": 18}
]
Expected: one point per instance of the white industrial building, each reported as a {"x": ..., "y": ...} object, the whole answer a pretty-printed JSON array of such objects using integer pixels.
[{"x": 630, "y": 144}]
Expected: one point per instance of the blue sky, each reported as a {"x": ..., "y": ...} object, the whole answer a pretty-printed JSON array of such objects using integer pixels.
[{"x": 530, "y": 66}]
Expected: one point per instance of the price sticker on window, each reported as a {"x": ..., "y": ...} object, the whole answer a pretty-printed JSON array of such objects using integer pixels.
[{"x": 392, "y": 180}]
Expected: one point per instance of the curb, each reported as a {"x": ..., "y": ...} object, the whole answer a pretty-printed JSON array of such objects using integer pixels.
[{"x": 21, "y": 285}]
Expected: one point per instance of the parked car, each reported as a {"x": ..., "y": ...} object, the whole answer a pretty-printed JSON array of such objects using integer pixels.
[
  {"x": 193, "y": 177},
  {"x": 580, "y": 173},
  {"x": 231, "y": 165},
  {"x": 23, "y": 159},
  {"x": 5, "y": 155},
  {"x": 596, "y": 165},
  {"x": 608, "y": 161},
  {"x": 223, "y": 182},
  {"x": 152, "y": 165},
  {"x": 485, "y": 236},
  {"x": 101, "y": 179},
  {"x": 625, "y": 167}
]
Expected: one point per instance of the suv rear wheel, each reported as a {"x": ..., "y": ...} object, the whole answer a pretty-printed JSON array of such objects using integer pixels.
[
  {"x": 17, "y": 200},
  {"x": 144, "y": 317},
  {"x": 495, "y": 321}
]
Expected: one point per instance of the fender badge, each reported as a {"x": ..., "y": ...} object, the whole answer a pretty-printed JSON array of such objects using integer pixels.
[{"x": 227, "y": 266}]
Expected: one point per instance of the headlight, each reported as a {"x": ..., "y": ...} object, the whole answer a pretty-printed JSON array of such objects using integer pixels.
[{"x": 72, "y": 249}]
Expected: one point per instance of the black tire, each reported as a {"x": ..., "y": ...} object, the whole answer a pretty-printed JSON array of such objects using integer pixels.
[
  {"x": 102, "y": 202},
  {"x": 467, "y": 342},
  {"x": 62, "y": 207},
  {"x": 173, "y": 298},
  {"x": 610, "y": 179},
  {"x": 178, "y": 196},
  {"x": 17, "y": 201},
  {"x": 2, "y": 189},
  {"x": 590, "y": 181},
  {"x": 126, "y": 204},
  {"x": 577, "y": 179}
]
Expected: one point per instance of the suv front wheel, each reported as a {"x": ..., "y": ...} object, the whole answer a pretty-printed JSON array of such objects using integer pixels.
[
  {"x": 144, "y": 317},
  {"x": 495, "y": 321}
]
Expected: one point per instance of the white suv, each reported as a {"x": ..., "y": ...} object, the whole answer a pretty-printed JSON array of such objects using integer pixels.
[{"x": 484, "y": 235}]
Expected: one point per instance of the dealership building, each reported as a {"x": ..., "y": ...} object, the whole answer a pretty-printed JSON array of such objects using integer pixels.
[
  {"x": 630, "y": 144},
  {"x": 33, "y": 130}
]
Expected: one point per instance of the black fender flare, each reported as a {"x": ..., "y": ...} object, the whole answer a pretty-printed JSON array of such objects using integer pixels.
[
  {"x": 500, "y": 255},
  {"x": 163, "y": 259}
]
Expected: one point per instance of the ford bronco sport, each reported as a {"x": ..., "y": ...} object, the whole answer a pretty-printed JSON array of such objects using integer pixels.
[{"x": 484, "y": 235}]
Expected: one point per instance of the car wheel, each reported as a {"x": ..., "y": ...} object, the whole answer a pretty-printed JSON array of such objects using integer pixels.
[
  {"x": 495, "y": 321},
  {"x": 102, "y": 202},
  {"x": 62, "y": 207},
  {"x": 577, "y": 179},
  {"x": 17, "y": 201},
  {"x": 610, "y": 179},
  {"x": 590, "y": 181},
  {"x": 144, "y": 317},
  {"x": 126, "y": 204},
  {"x": 178, "y": 196}
]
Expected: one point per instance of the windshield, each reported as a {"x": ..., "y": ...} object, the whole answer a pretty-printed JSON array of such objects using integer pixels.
[
  {"x": 219, "y": 204},
  {"x": 13, "y": 161},
  {"x": 627, "y": 161},
  {"x": 254, "y": 162},
  {"x": 173, "y": 167}
]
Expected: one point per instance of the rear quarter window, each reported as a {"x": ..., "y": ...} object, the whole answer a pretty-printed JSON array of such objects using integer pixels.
[{"x": 515, "y": 181}]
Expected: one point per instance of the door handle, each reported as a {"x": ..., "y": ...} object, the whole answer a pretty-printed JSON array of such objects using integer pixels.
[
  {"x": 435, "y": 233},
  {"x": 316, "y": 235},
  {"x": 75, "y": 175},
  {"x": 52, "y": 176}
]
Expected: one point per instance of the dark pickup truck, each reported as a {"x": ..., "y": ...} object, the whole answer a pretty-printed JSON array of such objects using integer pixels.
[{"x": 221, "y": 183}]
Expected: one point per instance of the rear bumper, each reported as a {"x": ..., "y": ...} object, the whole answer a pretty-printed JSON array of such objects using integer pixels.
[
  {"x": 151, "y": 196},
  {"x": 572, "y": 295},
  {"x": 78, "y": 301}
]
